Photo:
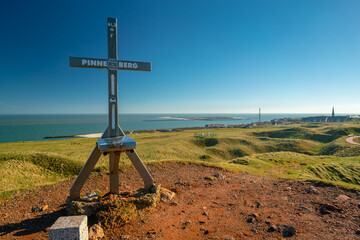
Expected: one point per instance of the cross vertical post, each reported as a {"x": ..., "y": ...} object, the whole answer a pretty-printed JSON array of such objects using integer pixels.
[{"x": 113, "y": 128}]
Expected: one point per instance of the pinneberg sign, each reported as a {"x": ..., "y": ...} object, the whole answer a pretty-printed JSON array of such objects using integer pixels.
[{"x": 109, "y": 64}]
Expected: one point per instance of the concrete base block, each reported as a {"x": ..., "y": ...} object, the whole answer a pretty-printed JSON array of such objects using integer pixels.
[{"x": 73, "y": 227}]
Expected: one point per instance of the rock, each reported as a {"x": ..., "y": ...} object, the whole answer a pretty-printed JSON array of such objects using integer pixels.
[
  {"x": 210, "y": 178},
  {"x": 288, "y": 189},
  {"x": 254, "y": 231},
  {"x": 272, "y": 228},
  {"x": 186, "y": 224},
  {"x": 284, "y": 198},
  {"x": 148, "y": 198},
  {"x": 258, "y": 204},
  {"x": 125, "y": 237},
  {"x": 219, "y": 176},
  {"x": 251, "y": 220},
  {"x": 96, "y": 232},
  {"x": 79, "y": 207},
  {"x": 73, "y": 227},
  {"x": 205, "y": 214},
  {"x": 151, "y": 232},
  {"x": 342, "y": 198},
  {"x": 166, "y": 195},
  {"x": 44, "y": 208},
  {"x": 357, "y": 232},
  {"x": 230, "y": 238},
  {"x": 46, "y": 229},
  {"x": 305, "y": 208},
  {"x": 288, "y": 231},
  {"x": 215, "y": 176},
  {"x": 313, "y": 190},
  {"x": 36, "y": 209},
  {"x": 326, "y": 208},
  {"x": 91, "y": 197},
  {"x": 255, "y": 215},
  {"x": 174, "y": 203}
]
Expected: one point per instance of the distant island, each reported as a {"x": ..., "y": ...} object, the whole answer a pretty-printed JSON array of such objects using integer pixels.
[{"x": 196, "y": 118}]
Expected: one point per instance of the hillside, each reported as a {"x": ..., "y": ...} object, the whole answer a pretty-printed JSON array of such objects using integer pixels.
[{"x": 274, "y": 166}]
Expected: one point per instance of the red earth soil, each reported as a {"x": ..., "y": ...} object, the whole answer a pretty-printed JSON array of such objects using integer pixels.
[{"x": 238, "y": 206}]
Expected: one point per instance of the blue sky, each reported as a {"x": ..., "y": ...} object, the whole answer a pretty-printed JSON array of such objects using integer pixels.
[{"x": 213, "y": 56}]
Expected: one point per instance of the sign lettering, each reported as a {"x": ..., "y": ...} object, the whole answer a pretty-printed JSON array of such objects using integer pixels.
[{"x": 109, "y": 64}]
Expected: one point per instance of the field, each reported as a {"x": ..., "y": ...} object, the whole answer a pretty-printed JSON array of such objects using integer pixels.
[{"x": 312, "y": 151}]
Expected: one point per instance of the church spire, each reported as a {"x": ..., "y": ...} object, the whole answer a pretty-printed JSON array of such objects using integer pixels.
[{"x": 333, "y": 113}]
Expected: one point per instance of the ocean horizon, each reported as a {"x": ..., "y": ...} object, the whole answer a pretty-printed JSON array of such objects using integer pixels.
[{"x": 35, "y": 127}]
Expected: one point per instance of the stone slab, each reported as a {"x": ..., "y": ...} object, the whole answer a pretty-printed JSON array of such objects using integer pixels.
[{"x": 72, "y": 227}]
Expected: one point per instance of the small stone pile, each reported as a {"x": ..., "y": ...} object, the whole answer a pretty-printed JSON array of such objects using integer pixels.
[{"x": 118, "y": 209}]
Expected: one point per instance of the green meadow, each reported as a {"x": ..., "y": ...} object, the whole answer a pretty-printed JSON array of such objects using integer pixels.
[{"x": 307, "y": 151}]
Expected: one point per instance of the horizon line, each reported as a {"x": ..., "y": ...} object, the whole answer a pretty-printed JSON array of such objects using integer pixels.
[{"x": 178, "y": 113}]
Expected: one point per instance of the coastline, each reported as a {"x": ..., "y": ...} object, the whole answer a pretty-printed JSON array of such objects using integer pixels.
[
  {"x": 98, "y": 135},
  {"x": 21, "y": 128}
]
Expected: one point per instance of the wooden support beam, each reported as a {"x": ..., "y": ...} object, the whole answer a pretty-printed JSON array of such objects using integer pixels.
[
  {"x": 114, "y": 172},
  {"x": 140, "y": 167},
  {"x": 84, "y": 173}
]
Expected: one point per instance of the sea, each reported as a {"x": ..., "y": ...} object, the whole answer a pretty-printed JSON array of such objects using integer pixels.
[{"x": 17, "y": 128}]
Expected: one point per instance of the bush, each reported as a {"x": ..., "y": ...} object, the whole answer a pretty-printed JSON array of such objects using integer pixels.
[
  {"x": 53, "y": 163},
  {"x": 241, "y": 161},
  {"x": 330, "y": 149}
]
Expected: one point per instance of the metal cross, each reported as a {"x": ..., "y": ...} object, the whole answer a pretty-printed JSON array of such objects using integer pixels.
[
  {"x": 113, "y": 141},
  {"x": 112, "y": 64}
]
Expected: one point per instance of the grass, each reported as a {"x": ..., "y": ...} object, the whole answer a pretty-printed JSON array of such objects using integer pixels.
[
  {"x": 329, "y": 169},
  {"x": 300, "y": 151},
  {"x": 116, "y": 212},
  {"x": 346, "y": 173},
  {"x": 357, "y": 140}
]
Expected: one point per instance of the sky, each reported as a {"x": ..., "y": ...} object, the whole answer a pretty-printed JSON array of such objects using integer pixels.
[{"x": 208, "y": 56}]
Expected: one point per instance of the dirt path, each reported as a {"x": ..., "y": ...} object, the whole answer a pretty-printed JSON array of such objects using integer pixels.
[
  {"x": 241, "y": 206},
  {"x": 351, "y": 140}
]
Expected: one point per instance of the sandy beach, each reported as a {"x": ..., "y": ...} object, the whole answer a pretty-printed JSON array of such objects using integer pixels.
[{"x": 91, "y": 135}]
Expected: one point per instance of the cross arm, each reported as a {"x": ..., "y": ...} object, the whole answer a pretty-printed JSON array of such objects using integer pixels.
[{"x": 109, "y": 64}]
